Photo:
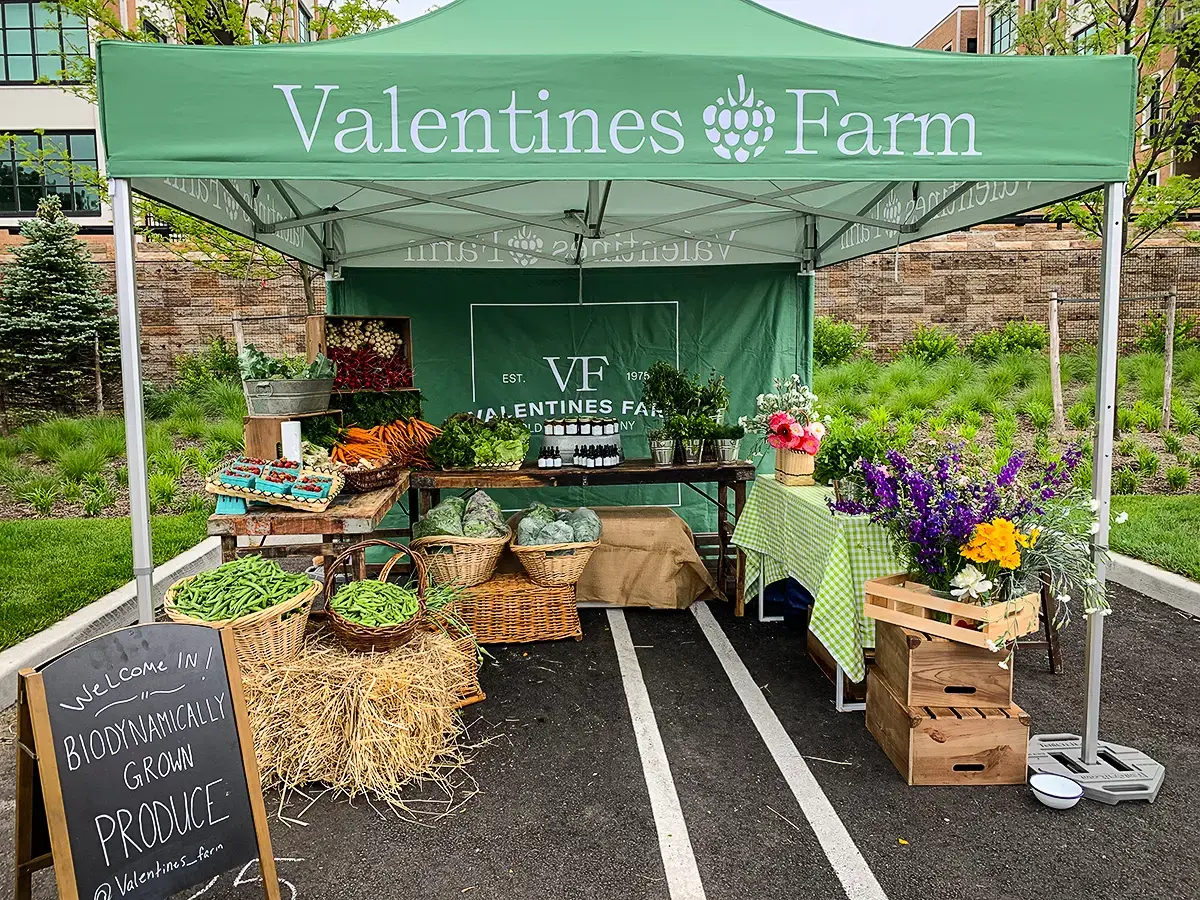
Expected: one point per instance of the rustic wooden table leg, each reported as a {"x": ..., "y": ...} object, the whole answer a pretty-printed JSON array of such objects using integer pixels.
[
  {"x": 414, "y": 504},
  {"x": 228, "y": 548},
  {"x": 739, "y": 503},
  {"x": 723, "y": 534}
]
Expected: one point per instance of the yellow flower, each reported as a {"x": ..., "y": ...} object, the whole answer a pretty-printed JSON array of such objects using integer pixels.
[{"x": 997, "y": 541}]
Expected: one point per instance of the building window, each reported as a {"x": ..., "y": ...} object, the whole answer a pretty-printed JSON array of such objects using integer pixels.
[
  {"x": 303, "y": 23},
  {"x": 1003, "y": 31},
  {"x": 1152, "y": 179},
  {"x": 37, "y": 41},
  {"x": 152, "y": 32},
  {"x": 949, "y": 48},
  {"x": 972, "y": 45},
  {"x": 64, "y": 161},
  {"x": 1085, "y": 40},
  {"x": 1154, "y": 111}
]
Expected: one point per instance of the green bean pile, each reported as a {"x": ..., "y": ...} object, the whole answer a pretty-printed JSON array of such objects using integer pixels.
[
  {"x": 238, "y": 588},
  {"x": 376, "y": 604}
]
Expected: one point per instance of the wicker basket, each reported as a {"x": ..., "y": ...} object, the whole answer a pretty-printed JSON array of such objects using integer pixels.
[
  {"x": 794, "y": 468},
  {"x": 448, "y": 621},
  {"x": 463, "y": 561},
  {"x": 270, "y": 635},
  {"x": 555, "y": 565},
  {"x": 367, "y": 480},
  {"x": 511, "y": 609},
  {"x": 364, "y": 637}
]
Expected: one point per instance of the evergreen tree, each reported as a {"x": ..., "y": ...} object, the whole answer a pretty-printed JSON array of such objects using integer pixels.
[{"x": 51, "y": 314}]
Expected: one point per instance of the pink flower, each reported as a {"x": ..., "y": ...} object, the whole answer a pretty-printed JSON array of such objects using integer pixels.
[
  {"x": 777, "y": 441},
  {"x": 779, "y": 421},
  {"x": 816, "y": 429},
  {"x": 808, "y": 444}
]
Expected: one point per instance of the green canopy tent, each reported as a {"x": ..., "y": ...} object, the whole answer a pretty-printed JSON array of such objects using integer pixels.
[{"x": 500, "y": 133}]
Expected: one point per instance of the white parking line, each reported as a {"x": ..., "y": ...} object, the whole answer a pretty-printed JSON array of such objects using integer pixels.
[
  {"x": 679, "y": 861},
  {"x": 857, "y": 879}
]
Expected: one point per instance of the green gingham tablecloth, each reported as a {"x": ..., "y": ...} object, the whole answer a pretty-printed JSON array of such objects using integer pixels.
[{"x": 790, "y": 531}]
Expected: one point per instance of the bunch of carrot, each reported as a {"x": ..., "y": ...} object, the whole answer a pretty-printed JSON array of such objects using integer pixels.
[{"x": 403, "y": 440}]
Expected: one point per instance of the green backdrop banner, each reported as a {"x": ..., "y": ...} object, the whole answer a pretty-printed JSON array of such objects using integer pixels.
[{"x": 542, "y": 344}]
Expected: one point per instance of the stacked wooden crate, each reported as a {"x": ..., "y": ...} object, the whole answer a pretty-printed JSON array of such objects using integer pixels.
[{"x": 943, "y": 711}]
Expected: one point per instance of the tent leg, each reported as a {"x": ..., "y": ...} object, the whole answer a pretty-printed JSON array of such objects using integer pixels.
[
  {"x": 131, "y": 381},
  {"x": 1108, "y": 772}
]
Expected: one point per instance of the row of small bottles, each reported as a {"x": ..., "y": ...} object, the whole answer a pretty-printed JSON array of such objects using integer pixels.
[
  {"x": 598, "y": 457},
  {"x": 584, "y": 425},
  {"x": 549, "y": 458}
]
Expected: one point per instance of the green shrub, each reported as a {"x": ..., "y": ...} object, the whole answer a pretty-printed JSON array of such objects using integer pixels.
[
  {"x": 1083, "y": 476},
  {"x": 1080, "y": 415},
  {"x": 70, "y": 491},
  {"x": 835, "y": 342},
  {"x": 199, "y": 502},
  {"x": 41, "y": 492},
  {"x": 95, "y": 482},
  {"x": 1184, "y": 417},
  {"x": 1172, "y": 443},
  {"x": 1154, "y": 333},
  {"x": 122, "y": 476},
  {"x": 107, "y": 434},
  {"x": 13, "y": 473},
  {"x": 222, "y": 400},
  {"x": 1125, "y": 481},
  {"x": 1006, "y": 431},
  {"x": 976, "y": 397},
  {"x": 76, "y": 463},
  {"x": 158, "y": 403},
  {"x": 228, "y": 434},
  {"x": 1039, "y": 414},
  {"x": 931, "y": 344},
  {"x": 879, "y": 417},
  {"x": 844, "y": 445},
  {"x": 1078, "y": 366},
  {"x": 1014, "y": 337},
  {"x": 158, "y": 439},
  {"x": 50, "y": 439},
  {"x": 1146, "y": 372},
  {"x": 200, "y": 461},
  {"x": 968, "y": 431},
  {"x": 216, "y": 364},
  {"x": 1127, "y": 419},
  {"x": 1147, "y": 460},
  {"x": 162, "y": 488},
  {"x": 168, "y": 463},
  {"x": 10, "y": 448},
  {"x": 1128, "y": 446},
  {"x": 1149, "y": 415},
  {"x": 1178, "y": 478},
  {"x": 1196, "y": 461}
]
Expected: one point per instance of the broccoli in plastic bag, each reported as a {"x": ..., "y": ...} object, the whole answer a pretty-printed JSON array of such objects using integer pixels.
[
  {"x": 482, "y": 517},
  {"x": 445, "y": 518},
  {"x": 585, "y": 525},
  {"x": 528, "y": 530},
  {"x": 539, "y": 513},
  {"x": 554, "y": 533}
]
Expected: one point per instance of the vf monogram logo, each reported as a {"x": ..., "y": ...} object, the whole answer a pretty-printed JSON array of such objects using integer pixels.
[{"x": 590, "y": 367}]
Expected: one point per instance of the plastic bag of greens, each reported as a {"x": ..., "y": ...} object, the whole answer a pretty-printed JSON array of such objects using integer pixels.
[
  {"x": 482, "y": 517},
  {"x": 528, "y": 530},
  {"x": 554, "y": 533},
  {"x": 585, "y": 525},
  {"x": 445, "y": 518}
]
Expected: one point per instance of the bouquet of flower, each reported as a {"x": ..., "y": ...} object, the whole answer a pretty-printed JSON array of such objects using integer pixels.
[
  {"x": 788, "y": 418},
  {"x": 984, "y": 536}
]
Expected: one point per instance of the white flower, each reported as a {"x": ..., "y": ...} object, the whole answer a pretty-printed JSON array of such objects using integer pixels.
[
  {"x": 1063, "y": 598},
  {"x": 970, "y": 582},
  {"x": 995, "y": 646},
  {"x": 1093, "y": 504},
  {"x": 1095, "y": 528},
  {"x": 1122, "y": 518},
  {"x": 1003, "y": 663}
]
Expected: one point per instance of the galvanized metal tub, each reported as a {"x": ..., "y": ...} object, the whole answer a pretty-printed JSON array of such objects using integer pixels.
[{"x": 280, "y": 397}]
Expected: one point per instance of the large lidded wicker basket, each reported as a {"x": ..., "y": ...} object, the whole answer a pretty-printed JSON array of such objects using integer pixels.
[
  {"x": 463, "y": 561},
  {"x": 274, "y": 634},
  {"x": 365, "y": 637},
  {"x": 511, "y": 609}
]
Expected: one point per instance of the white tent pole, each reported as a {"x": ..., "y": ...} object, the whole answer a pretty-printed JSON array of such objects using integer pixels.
[
  {"x": 1102, "y": 458},
  {"x": 131, "y": 382}
]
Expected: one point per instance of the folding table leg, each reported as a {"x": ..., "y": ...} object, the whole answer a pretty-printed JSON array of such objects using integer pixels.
[
  {"x": 839, "y": 693},
  {"x": 762, "y": 585}
]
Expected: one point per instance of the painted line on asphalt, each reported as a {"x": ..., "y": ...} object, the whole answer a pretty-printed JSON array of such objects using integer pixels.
[
  {"x": 679, "y": 860},
  {"x": 852, "y": 870}
]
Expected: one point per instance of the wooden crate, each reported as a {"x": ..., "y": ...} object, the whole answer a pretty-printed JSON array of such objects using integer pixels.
[
  {"x": 315, "y": 328},
  {"x": 948, "y": 745},
  {"x": 895, "y": 599},
  {"x": 263, "y": 435},
  {"x": 925, "y": 670},
  {"x": 852, "y": 692}
]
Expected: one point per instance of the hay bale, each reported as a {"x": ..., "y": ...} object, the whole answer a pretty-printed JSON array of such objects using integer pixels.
[{"x": 363, "y": 724}]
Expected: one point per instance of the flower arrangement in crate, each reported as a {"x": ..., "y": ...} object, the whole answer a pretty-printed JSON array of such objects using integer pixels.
[
  {"x": 787, "y": 419},
  {"x": 977, "y": 543}
]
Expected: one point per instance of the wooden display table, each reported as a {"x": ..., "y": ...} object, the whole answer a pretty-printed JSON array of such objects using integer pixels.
[
  {"x": 351, "y": 517},
  {"x": 730, "y": 478}
]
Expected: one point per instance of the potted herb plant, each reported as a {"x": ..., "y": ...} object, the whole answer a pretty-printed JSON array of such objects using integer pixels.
[
  {"x": 691, "y": 431},
  {"x": 788, "y": 420},
  {"x": 662, "y": 447},
  {"x": 842, "y": 449},
  {"x": 727, "y": 440},
  {"x": 285, "y": 386},
  {"x": 712, "y": 398}
]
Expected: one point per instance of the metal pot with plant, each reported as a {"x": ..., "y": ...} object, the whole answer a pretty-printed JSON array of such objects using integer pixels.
[
  {"x": 662, "y": 447},
  {"x": 843, "y": 450},
  {"x": 727, "y": 440},
  {"x": 668, "y": 391},
  {"x": 712, "y": 398},
  {"x": 691, "y": 431}
]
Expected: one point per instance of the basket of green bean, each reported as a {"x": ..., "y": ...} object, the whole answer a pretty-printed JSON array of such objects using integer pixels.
[
  {"x": 266, "y": 607},
  {"x": 376, "y": 615}
]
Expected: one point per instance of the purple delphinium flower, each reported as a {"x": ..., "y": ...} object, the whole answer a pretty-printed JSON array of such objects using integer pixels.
[{"x": 1009, "y": 473}]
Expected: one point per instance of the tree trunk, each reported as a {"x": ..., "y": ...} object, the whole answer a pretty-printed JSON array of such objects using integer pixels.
[{"x": 310, "y": 298}]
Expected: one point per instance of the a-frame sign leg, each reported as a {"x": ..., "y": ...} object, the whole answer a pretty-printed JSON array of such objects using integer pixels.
[{"x": 33, "y": 837}]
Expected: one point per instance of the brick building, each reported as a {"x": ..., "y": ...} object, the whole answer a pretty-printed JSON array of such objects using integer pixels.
[{"x": 956, "y": 33}]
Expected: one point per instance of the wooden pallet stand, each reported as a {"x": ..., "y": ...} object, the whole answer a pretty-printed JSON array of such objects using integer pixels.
[
  {"x": 948, "y": 746},
  {"x": 925, "y": 670},
  {"x": 264, "y": 434},
  {"x": 896, "y": 600}
]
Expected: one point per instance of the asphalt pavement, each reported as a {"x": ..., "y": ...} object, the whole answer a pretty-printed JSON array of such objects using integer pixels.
[{"x": 560, "y": 807}]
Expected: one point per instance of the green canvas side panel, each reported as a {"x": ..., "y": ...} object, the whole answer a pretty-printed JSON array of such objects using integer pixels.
[{"x": 522, "y": 343}]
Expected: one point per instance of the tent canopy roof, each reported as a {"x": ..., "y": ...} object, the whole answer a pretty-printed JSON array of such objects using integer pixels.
[{"x": 555, "y": 131}]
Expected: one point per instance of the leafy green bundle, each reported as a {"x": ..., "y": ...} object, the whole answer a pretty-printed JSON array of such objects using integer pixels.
[
  {"x": 256, "y": 365},
  {"x": 467, "y": 441}
]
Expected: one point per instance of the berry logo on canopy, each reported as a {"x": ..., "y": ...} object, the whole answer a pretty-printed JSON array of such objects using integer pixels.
[{"x": 739, "y": 128}]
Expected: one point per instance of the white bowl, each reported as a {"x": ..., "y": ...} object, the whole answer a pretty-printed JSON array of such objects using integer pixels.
[{"x": 1055, "y": 791}]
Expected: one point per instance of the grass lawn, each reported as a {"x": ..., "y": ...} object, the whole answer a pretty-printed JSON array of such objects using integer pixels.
[
  {"x": 1163, "y": 531},
  {"x": 52, "y": 568}
]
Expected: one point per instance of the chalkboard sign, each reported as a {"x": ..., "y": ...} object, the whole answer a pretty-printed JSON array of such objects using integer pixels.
[{"x": 146, "y": 763}]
